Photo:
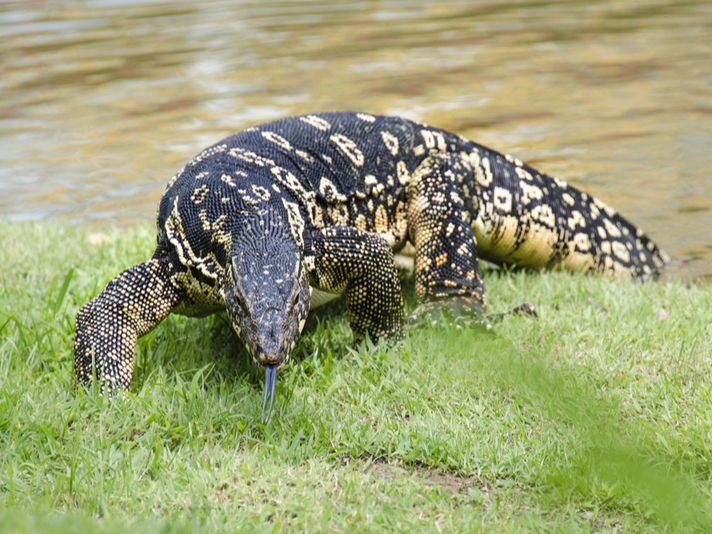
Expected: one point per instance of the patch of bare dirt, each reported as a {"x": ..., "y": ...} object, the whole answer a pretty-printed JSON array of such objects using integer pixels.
[{"x": 430, "y": 476}]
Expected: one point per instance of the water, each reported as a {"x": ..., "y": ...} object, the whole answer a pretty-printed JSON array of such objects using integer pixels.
[{"x": 102, "y": 101}]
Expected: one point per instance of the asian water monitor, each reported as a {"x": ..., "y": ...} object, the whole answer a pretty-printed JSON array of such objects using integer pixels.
[{"x": 252, "y": 223}]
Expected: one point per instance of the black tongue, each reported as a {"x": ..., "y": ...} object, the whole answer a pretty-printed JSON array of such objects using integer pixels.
[{"x": 270, "y": 382}]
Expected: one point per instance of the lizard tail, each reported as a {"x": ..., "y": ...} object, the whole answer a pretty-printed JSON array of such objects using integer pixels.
[{"x": 624, "y": 249}]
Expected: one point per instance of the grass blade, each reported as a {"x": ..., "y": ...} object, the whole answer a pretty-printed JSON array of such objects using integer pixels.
[{"x": 62, "y": 291}]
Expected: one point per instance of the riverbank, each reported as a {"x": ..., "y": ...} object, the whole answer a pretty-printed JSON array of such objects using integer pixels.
[{"x": 595, "y": 417}]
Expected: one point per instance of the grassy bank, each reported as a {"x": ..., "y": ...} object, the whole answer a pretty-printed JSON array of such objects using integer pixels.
[{"x": 596, "y": 417}]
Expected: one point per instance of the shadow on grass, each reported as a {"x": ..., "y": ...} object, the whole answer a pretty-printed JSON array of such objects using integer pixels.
[{"x": 614, "y": 461}]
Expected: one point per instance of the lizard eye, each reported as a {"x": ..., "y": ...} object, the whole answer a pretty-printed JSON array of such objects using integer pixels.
[{"x": 295, "y": 301}]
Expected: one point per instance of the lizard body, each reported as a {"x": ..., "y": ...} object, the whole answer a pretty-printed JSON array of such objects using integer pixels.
[{"x": 255, "y": 221}]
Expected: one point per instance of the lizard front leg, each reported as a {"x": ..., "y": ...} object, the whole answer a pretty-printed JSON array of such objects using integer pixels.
[
  {"x": 107, "y": 327},
  {"x": 343, "y": 259}
]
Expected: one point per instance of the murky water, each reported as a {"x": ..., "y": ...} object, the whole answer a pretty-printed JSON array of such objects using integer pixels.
[{"x": 101, "y": 101}]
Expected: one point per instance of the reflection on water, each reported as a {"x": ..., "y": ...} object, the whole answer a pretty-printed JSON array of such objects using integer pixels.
[{"x": 101, "y": 101}]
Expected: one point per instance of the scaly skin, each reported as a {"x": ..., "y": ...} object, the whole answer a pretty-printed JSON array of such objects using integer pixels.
[{"x": 253, "y": 222}]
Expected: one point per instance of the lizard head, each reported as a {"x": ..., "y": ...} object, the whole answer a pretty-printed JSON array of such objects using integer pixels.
[{"x": 267, "y": 295}]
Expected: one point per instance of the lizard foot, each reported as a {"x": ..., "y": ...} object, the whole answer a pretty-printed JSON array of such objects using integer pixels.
[{"x": 458, "y": 311}]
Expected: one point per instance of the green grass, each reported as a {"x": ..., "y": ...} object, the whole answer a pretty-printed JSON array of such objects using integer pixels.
[{"x": 596, "y": 417}]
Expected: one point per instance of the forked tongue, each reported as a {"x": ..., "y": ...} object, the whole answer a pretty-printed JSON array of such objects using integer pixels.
[{"x": 270, "y": 381}]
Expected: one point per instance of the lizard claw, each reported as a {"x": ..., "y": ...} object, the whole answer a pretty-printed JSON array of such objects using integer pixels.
[{"x": 524, "y": 309}]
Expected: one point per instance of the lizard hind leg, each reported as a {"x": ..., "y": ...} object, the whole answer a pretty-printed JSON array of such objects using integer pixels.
[
  {"x": 448, "y": 279},
  {"x": 447, "y": 272}
]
